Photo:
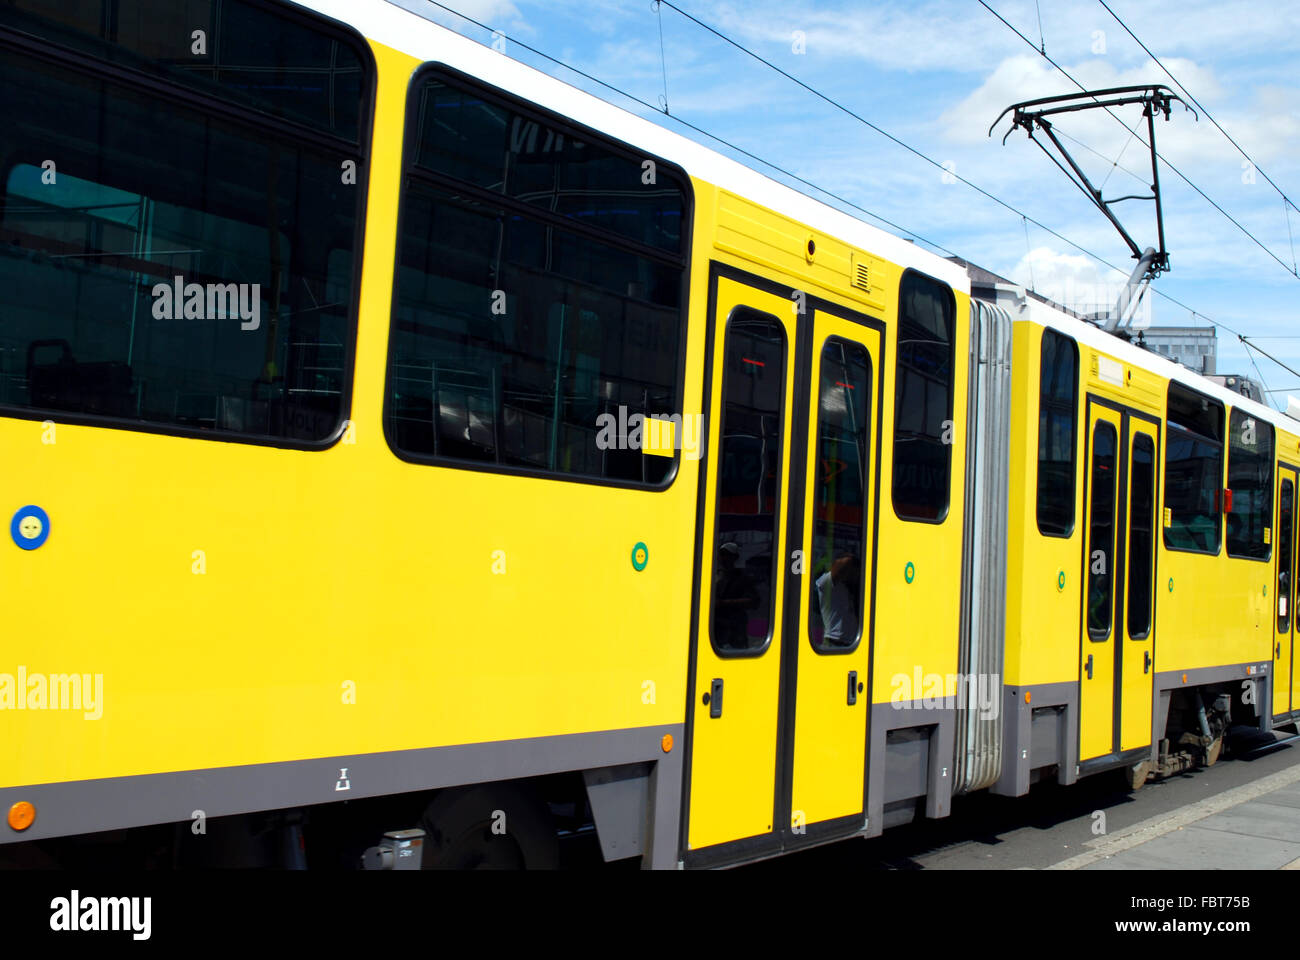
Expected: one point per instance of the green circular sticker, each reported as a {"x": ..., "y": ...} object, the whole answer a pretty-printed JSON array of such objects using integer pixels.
[
  {"x": 909, "y": 572},
  {"x": 1171, "y": 584},
  {"x": 1060, "y": 580},
  {"x": 640, "y": 557}
]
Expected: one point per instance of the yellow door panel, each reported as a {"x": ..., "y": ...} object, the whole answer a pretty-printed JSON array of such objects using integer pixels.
[
  {"x": 833, "y": 638},
  {"x": 1138, "y": 630},
  {"x": 738, "y": 646},
  {"x": 1283, "y": 615},
  {"x": 1097, "y": 658}
]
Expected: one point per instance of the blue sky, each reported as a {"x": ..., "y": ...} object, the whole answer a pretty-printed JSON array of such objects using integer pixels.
[{"x": 935, "y": 74}]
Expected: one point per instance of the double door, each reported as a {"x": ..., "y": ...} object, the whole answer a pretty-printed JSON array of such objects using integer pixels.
[
  {"x": 1117, "y": 641},
  {"x": 782, "y": 636}
]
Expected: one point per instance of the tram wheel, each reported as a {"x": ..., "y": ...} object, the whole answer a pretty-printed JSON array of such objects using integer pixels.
[{"x": 489, "y": 827}]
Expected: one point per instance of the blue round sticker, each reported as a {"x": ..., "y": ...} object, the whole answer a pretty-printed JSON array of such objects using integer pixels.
[{"x": 30, "y": 527}]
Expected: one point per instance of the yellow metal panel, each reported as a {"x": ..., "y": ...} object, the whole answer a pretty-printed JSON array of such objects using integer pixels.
[
  {"x": 246, "y": 604},
  {"x": 1043, "y": 607},
  {"x": 733, "y": 757},
  {"x": 918, "y": 619},
  {"x": 830, "y": 734},
  {"x": 1137, "y": 673},
  {"x": 1097, "y": 691}
]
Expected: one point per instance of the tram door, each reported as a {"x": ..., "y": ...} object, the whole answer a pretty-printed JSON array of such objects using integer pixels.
[
  {"x": 782, "y": 649},
  {"x": 1135, "y": 609},
  {"x": 1100, "y": 573},
  {"x": 1284, "y": 594},
  {"x": 833, "y": 636},
  {"x": 1116, "y": 668},
  {"x": 741, "y": 587}
]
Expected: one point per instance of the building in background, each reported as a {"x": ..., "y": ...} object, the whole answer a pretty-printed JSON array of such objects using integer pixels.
[{"x": 1193, "y": 347}]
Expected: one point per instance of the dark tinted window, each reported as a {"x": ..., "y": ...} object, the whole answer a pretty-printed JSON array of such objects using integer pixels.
[
  {"x": 473, "y": 138},
  {"x": 249, "y": 53},
  {"x": 839, "y": 501},
  {"x": 749, "y": 483},
  {"x": 923, "y": 399},
  {"x": 1058, "y": 395},
  {"x": 1141, "y": 518},
  {"x": 1101, "y": 532},
  {"x": 522, "y": 340},
  {"x": 1285, "y": 521},
  {"x": 1193, "y": 471},
  {"x": 1250, "y": 478},
  {"x": 138, "y": 191}
]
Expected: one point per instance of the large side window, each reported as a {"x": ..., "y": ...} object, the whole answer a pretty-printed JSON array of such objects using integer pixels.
[
  {"x": 179, "y": 225},
  {"x": 923, "y": 399},
  {"x": 1250, "y": 478},
  {"x": 748, "y": 515},
  {"x": 1058, "y": 402},
  {"x": 1101, "y": 532},
  {"x": 1141, "y": 514},
  {"x": 1193, "y": 471},
  {"x": 540, "y": 293},
  {"x": 839, "y": 497}
]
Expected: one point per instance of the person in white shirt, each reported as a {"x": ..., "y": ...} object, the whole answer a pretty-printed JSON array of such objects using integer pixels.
[{"x": 838, "y": 607}]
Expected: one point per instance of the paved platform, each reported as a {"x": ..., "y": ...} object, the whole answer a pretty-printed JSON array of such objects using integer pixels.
[{"x": 1251, "y": 827}]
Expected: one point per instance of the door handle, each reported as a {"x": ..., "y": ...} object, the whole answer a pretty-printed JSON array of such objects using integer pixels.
[
  {"x": 1088, "y": 666},
  {"x": 853, "y": 687},
  {"x": 713, "y": 699},
  {"x": 1146, "y": 657}
]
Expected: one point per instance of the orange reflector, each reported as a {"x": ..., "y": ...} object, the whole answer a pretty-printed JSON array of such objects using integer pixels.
[
  {"x": 21, "y": 815},
  {"x": 667, "y": 743},
  {"x": 1184, "y": 678},
  {"x": 1027, "y": 696}
]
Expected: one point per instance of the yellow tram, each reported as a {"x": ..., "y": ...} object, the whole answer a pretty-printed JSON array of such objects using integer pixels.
[{"x": 385, "y": 418}]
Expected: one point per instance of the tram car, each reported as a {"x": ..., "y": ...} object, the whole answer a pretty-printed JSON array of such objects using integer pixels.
[{"x": 386, "y": 421}]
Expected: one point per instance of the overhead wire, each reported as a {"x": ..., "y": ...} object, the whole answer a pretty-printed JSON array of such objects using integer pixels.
[
  {"x": 839, "y": 106},
  {"x": 1198, "y": 104},
  {"x": 784, "y": 172}
]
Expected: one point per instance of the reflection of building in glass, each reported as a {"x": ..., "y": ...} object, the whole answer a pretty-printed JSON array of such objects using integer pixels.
[{"x": 1193, "y": 347}]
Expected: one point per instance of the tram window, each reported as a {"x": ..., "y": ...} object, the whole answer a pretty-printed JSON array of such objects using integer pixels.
[
  {"x": 470, "y": 137},
  {"x": 1193, "y": 471},
  {"x": 1250, "y": 478},
  {"x": 923, "y": 399},
  {"x": 249, "y": 54},
  {"x": 748, "y": 516},
  {"x": 1142, "y": 502},
  {"x": 1285, "y": 519},
  {"x": 249, "y": 213},
  {"x": 1101, "y": 532},
  {"x": 839, "y": 501},
  {"x": 1058, "y": 396},
  {"x": 538, "y": 311}
]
